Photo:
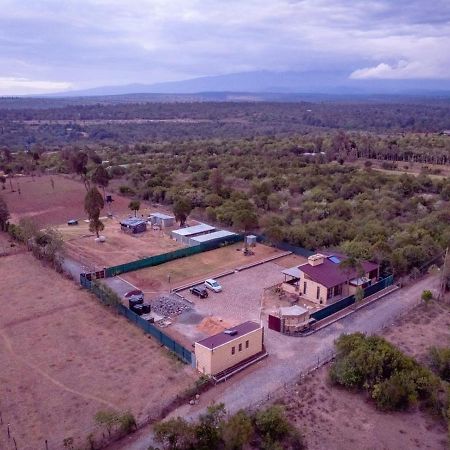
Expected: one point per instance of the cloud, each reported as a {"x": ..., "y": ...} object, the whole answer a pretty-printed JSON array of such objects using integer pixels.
[
  {"x": 92, "y": 42},
  {"x": 21, "y": 86}
]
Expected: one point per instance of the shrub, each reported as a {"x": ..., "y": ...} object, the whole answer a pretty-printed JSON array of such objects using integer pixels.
[{"x": 440, "y": 362}]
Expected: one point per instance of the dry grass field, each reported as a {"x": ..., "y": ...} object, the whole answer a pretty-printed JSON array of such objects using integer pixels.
[
  {"x": 339, "y": 419},
  {"x": 118, "y": 248},
  {"x": 64, "y": 357},
  {"x": 197, "y": 267},
  {"x": 48, "y": 206}
]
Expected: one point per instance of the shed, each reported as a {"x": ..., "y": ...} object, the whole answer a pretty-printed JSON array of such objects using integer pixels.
[
  {"x": 228, "y": 349},
  {"x": 183, "y": 235},
  {"x": 162, "y": 220},
  {"x": 250, "y": 240},
  {"x": 133, "y": 225},
  {"x": 216, "y": 237}
]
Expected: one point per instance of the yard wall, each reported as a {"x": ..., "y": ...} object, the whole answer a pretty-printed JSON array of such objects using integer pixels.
[
  {"x": 148, "y": 328},
  {"x": 166, "y": 257},
  {"x": 347, "y": 301}
]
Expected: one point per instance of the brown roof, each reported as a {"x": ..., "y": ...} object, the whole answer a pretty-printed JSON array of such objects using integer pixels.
[
  {"x": 222, "y": 338},
  {"x": 330, "y": 274}
]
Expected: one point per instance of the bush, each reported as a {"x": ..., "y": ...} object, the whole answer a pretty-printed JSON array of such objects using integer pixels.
[
  {"x": 394, "y": 380},
  {"x": 440, "y": 362}
]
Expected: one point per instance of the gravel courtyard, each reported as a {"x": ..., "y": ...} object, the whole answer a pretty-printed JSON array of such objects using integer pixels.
[{"x": 239, "y": 301}]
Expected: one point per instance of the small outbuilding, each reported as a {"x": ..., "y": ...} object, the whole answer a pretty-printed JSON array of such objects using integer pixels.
[
  {"x": 231, "y": 350},
  {"x": 133, "y": 225},
  {"x": 183, "y": 235},
  {"x": 162, "y": 220},
  {"x": 250, "y": 240},
  {"x": 216, "y": 237}
]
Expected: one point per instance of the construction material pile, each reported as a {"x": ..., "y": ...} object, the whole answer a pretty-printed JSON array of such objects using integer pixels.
[{"x": 169, "y": 305}]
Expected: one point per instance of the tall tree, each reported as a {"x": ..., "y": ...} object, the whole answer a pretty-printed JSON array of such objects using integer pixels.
[
  {"x": 182, "y": 208},
  {"x": 135, "y": 205},
  {"x": 93, "y": 204},
  {"x": 78, "y": 162},
  {"x": 4, "y": 214},
  {"x": 101, "y": 178}
]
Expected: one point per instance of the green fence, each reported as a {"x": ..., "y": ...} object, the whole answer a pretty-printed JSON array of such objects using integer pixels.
[
  {"x": 347, "y": 301},
  {"x": 166, "y": 257},
  {"x": 182, "y": 352}
]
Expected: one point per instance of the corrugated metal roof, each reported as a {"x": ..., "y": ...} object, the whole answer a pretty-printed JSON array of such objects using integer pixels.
[
  {"x": 212, "y": 236},
  {"x": 161, "y": 215},
  {"x": 292, "y": 272},
  {"x": 200, "y": 228},
  {"x": 294, "y": 310},
  {"x": 222, "y": 338},
  {"x": 132, "y": 222}
]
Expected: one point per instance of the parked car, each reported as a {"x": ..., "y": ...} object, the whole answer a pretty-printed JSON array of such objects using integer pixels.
[
  {"x": 213, "y": 285},
  {"x": 199, "y": 291}
]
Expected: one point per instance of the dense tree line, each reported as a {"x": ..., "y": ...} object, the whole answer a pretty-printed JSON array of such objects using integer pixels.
[{"x": 62, "y": 123}]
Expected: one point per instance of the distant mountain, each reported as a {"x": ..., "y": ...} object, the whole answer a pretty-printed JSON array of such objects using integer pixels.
[{"x": 266, "y": 82}]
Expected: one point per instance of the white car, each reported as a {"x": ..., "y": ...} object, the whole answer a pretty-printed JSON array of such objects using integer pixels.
[{"x": 213, "y": 285}]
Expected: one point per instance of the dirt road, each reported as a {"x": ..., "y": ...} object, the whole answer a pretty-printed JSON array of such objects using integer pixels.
[{"x": 299, "y": 356}]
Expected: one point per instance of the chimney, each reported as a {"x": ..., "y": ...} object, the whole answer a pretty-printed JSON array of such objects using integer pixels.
[{"x": 316, "y": 260}]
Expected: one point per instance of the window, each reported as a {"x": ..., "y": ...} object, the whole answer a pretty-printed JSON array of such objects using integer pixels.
[
  {"x": 233, "y": 350},
  {"x": 304, "y": 287},
  {"x": 329, "y": 293},
  {"x": 240, "y": 347},
  {"x": 246, "y": 344},
  {"x": 318, "y": 293}
]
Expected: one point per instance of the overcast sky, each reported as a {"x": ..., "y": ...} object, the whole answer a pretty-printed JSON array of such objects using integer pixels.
[{"x": 54, "y": 45}]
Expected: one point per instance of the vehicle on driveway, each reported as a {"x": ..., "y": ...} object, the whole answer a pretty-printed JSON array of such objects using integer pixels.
[
  {"x": 213, "y": 285},
  {"x": 199, "y": 291}
]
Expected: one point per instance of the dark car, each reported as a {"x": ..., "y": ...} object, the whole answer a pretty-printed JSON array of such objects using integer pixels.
[{"x": 199, "y": 291}]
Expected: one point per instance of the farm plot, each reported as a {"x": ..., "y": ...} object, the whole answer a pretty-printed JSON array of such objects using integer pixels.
[
  {"x": 64, "y": 357},
  {"x": 197, "y": 267},
  {"x": 118, "y": 248},
  {"x": 47, "y": 204}
]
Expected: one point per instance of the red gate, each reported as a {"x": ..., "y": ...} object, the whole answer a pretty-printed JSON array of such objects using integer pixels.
[{"x": 274, "y": 323}]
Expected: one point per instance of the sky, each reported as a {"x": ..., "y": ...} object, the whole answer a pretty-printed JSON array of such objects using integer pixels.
[{"x": 57, "y": 45}]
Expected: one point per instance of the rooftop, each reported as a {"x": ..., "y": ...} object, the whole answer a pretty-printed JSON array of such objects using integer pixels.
[
  {"x": 215, "y": 235},
  {"x": 330, "y": 273},
  {"x": 161, "y": 215},
  {"x": 200, "y": 228},
  {"x": 223, "y": 338},
  {"x": 293, "y": 272},
  {"x": 294, "y": 310},
  {"x": 132, "y": 222}
]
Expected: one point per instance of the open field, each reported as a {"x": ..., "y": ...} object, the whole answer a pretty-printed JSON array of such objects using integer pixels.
[
  {"x": 328, "y": 413},
  {"x": 118, "y": 248},
  {"x": 197, "y": 267},
  {"x": 64, "y": 357},
  {"x": 48, "y": 206}
]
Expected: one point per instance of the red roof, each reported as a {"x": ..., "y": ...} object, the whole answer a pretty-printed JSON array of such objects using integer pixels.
[
  {"x": 222, "y": 338},
  {"x": 330, "y": 274}
]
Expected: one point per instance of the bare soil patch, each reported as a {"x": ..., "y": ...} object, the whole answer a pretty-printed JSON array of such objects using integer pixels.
[
  {"x": 119, "y": 247},
  {"x": 335, "y": 418},
  {"x": 48, "y": 206},
  {"x": 197, "y": 267},
  {"x": 64, "y": 357}
]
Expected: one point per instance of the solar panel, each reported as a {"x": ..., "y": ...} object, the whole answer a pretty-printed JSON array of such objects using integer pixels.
[{"x": 334, "y": 259}]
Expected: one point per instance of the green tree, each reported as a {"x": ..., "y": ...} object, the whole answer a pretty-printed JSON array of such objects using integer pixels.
[
  {"x": 175, "y": 434},
  {"x": 78, "y": 163},
  {"x": 3, "y": 181},
  {"x": 182, "y": 207},
  {"x": 4, "y": 214},
  {"x": 101, "y": 178},
  {"x": 93, "y": 204},
  {"x": 134, "y": 205},
  {"x": 237, "y": 431},
  {"x": 440, "y": 362},
  {"x": 272, "y": 423},
  {"x": 207, "y": 431}
]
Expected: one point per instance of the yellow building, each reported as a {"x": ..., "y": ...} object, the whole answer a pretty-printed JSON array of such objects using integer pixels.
[{"x": 233, "y": 347}]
